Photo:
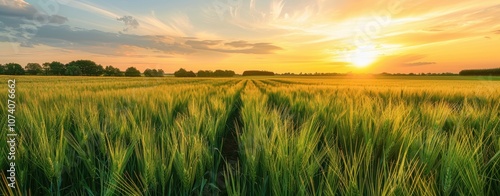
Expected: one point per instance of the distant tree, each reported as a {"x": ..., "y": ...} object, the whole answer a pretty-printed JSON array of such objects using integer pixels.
[
  {"x": 180, "y": 73},
  {"x": 148, "y": 73},
  {"x": 217, "y": 73},
  {"x": 46, "y": 68},
  {"x": 154, "y": 73},
  {"x": 112, "y": 71},
  {"x": 13, "y": 69},
  {"x": 132, "y": 72},
  {"x": 2, "y": 69},
  {"x": 33, "y": 69},
  {"x": 203, "y": 73},
  {"x": 183, "y": 73},
  {"x": 221, "y": 73},
  {"x": 109, "y": 70},
  {"x": 161, "y": 73},
  {"x": 56, "y": 68},
  {"x": 259, "y": 73},
  {"x": 480, "y": 72},
  {"x": 73, "y": 70},
  {"x": 99, "y": 70},
  {"x": 87, "y": 67}
]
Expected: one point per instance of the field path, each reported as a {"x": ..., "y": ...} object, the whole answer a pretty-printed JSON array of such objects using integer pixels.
[
  {"x": 230, "y": 145},
  {"x": 233, "y": 124}
]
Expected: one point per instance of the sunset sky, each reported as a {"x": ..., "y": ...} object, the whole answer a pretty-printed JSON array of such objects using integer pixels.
[{"x": 362, "y": 36}]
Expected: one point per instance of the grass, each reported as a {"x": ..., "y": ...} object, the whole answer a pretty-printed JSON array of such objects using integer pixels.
[{"x": 291, "y": 136}]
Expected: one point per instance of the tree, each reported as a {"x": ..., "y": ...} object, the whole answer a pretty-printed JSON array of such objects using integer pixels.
[
  {"x": 132, "y": 72},
  {"x": 87, "y": 67},
  {"x": 153, "y": 73},
  {"x": 111, "y": 71},
  {"x": 149, "y": 73},
  {"x": 206, "y": 73},
  {"x": 46, "y": 68},
  {"x": 217, "y": 73},
  {"x": 183, "y": 73},
  {"x": 73, "y": 71},
  {"x": 226, "y": 73},
  {"x": 13, "y": 69},
  {"x": 161, "y": 73},
  {"x": 56, "y": 68},
  {"x": 481, "y": 72},
  {"x": 99, "y": 70},
  {"x": 2, "y": 69},
  {"x": 259, "y": 73},
  {"x": 33, "y": 68}
]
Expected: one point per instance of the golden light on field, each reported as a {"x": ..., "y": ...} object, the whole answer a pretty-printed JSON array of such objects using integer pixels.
[{"x": 362, "y": 57}]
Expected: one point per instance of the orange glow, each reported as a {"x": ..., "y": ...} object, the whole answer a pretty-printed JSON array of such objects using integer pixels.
[{"x": 280, "y": 36}]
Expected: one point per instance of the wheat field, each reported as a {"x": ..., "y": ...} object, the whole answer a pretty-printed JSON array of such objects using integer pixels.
[{"x": 255, "y": 136}]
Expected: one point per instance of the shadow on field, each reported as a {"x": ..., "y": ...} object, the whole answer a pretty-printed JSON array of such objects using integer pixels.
[{"x": 230, "y": 145}]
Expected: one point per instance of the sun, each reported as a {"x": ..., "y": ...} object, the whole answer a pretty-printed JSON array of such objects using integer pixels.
[{"x": 362, "y": 57}]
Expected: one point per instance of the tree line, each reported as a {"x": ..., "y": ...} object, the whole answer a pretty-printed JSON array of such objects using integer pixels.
[
  {"x": 258, "y": 73},
  {"x": 219, "y": 73},
  {"x": 480, "y": 72},
  {"x": 74, "y": 68},
  {"x": 204, "y": 73}
]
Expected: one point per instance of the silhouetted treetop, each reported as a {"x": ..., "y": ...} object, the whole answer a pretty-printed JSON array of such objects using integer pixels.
[
  {"x": 258, "y": 73},
  {"x": 481, "y": 72},
  {"x": 33, "y": 69},
  {"x": 13, "y": 69},
  {"x": 183, "y": 73},
  {"x": 217, "y": 73},
  {"x": 87, "y": 67},
  {"x": 154, "y": 73},
  {"x": 112, "y": 71},
  {"x": 132, "y": 72}
]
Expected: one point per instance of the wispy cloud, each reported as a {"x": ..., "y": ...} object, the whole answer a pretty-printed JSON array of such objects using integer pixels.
[
  {"x": 85, "y": 5},
  {"x": 16, "y": 12},
  {"x": 19, "y": 22},
  {"x": 88, "y": 40},
  {"x": 233, "y": 47},
  {"x": 130, "y": 22},
  {"x": 178, "y": 25},
  {"x": 419, "y": 63},
  {"x": 15, "y": 4},
  {"x": 401, "y": 60}
]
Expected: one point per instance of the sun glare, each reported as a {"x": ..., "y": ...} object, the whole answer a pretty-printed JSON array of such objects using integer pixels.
[{"x": 362, "y": 57}]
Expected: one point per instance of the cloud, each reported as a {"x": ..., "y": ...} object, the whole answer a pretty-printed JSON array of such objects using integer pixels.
[
  {"x": 15, "y": 11},
  {"x": 338, "y": 64},
  {"x": 415, "y": 38},
  {"x": 100, "y": 42},
  {"x": 401, "y": 59},
  {"x": 16, "y": 8},
  {"x": 233, "y": 47},
  {"x": 130, "y": 22},
  {"x": 496, "y": 32},
  {"x": 93, "y": 9},
  {"x": 56, "y": 19},
  {"x": 64, "y": 36},
  {"x": 13, "y": 3},
  {"x": 238, "y": 44},
  {"x": 419, "y": 63},
  {"x": 204, "y": 43}
]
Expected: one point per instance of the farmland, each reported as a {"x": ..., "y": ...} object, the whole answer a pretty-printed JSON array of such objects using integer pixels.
[{"x": 255, "y": 136}]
